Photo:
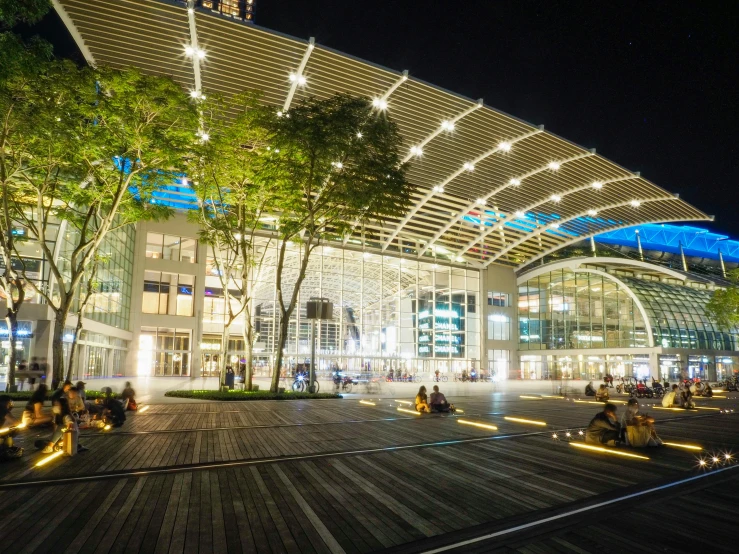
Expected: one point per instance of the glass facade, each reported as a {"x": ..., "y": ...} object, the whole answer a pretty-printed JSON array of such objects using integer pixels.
[
  {"x": 164, "y": 352},
  {"x": 388, "y": 313},
  {"x": 111, "y": 302},
  {"x": 677, "y": 315},
  {"x": 568, "y": 310}
]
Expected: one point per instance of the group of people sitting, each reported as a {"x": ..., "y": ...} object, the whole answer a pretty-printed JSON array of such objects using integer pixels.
[
  {"x": 436, "y": 402},
  {"x": 70, "y": 409},
  {"x": 601, "y": 395},
  {"x": 635, "y": 428}
]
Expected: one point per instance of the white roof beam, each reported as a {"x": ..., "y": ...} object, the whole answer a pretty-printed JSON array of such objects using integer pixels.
[
  {"x": 194, "y": 45},
  {"x": 440, "y": 187},
  {"x": 541, "y": 203},
  {"x": 582, "y": 237},
  {"x": 446, "y": 125},
  {"x": 516, "y": 181},
  {"x": 297, "y": 77}
]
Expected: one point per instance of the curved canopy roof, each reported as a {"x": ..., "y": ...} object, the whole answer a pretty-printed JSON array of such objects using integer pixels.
[{"x": 490, "y": 188}]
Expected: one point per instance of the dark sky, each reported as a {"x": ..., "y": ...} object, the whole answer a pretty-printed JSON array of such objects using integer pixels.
[{"x": 652, "y": 85}]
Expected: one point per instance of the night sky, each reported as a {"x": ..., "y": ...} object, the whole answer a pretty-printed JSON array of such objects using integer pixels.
[{"x": 651, "y": 85}]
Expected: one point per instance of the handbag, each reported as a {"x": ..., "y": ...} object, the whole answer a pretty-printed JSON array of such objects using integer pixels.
[{"x": 638, "y": 435}]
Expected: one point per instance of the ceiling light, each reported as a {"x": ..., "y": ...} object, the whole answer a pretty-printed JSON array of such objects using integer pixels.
[
  {"x": 447, "y": 125},
  {"x": 416, "y": 151},
  {"x": 337, "y": 165},
  {"x": 520, "y": 214},
  {"x": 505, "y": 146},
  {"x": 597, "y": 185},
  {"x": 189, "y": 50},
  {"x": 359, "y": 135},
  {"x": 635, "y": 203},
  {"x": 556, "y": 197},
  {"x": 459, "y": 259},
  {"x": 438, "y": 188},
  {"x": 379, "y": 103},
  {"x": 554, "y": 225},
  {"x": 515, "y": 182},
  {"x": 480, "y": 201},
  {"x": 205, "y": 137},
  {"x": 468, "y": 166},
  {"x": 297, "y": 78},
  {"x": 279, "y": 114},
  {"x": 194, "y": 94},
  {"x": 201, "y": 53},
  {"x": 592, "y": 213},
  {"x": 554, "y": 166}
]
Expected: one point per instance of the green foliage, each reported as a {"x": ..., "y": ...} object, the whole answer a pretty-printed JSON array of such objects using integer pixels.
[
  {"x": 237, "y": 395},
  {"x": 26, "y": 395},
  {"x": 22, "y": 11},
  {"x": 723, "y": 307}
]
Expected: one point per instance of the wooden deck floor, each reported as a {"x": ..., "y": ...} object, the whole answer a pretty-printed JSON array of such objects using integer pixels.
[{"x": 339, "y": 476}]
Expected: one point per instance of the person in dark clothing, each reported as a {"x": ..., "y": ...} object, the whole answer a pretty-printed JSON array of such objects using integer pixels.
[
  {"x": 604, "y": 428},
  {"x": 112, "y": 409},
  {"x": 438, "y": 402},
  {"x": 128, "y": 397},
  {"x": 230, "y": 377},
  {"x": 589, "y": 389},
  {"x": 62, "y": 391},
  {"x": 7, "y": 450},
  {"x": 33, "y": 413}
]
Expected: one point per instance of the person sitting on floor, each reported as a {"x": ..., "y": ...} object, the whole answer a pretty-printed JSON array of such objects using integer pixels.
[
  {"x": 62, "y": 391},
  {"x": 604, "y": 428},
  {"x": 708, "y": 391},
  {"x": 112, "y": 409},
  {"x": 128, "y": 396},
  {"x": 686, "y": 397},
  {"x": 602, "y": 394},
  {"x": 670, "y": 398},
  {"x": 7, "y": 450},
  {"x": 589, "y": 389},
  {"x": 422, "y": 404},
  {"x": 33, "y": 414},
  {"x": 438, "y": 402},
  {"x": 63, "y": 421},
  {"x": 638, "y": 427}
]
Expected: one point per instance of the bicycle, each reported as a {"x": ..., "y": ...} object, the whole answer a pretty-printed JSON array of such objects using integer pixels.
[
  {"x": 300, "y": 384},
  {"x": 440, "y": 379}
]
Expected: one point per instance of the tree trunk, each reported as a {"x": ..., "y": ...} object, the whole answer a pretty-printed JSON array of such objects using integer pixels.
[
  {"x": 73, "y": 347},
  {"x": 224, "y": 350},
  {"x": 281, "y": 341},
  {"x": 11, "y": 319},
  {"x": 57, "y": 350},
  {"x": 248, "y": 347}
]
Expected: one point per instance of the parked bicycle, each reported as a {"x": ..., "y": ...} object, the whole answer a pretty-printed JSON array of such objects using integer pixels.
[
  {"x": 343, "y": 383},
  {"x": 300, "y": 384}
]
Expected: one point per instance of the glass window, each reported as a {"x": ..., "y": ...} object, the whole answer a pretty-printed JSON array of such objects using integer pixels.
[
  {"x": 154, "y": 242},
  {"x": 171, "y": 248},
  {"x": 168, "y": 293},
  {"x": 499, "y": 327},
  {"x": 188, "y": 250},
  {"x": 499, "y": 299}
]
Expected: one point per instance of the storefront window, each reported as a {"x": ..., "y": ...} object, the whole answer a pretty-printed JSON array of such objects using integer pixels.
[{"x": 164, "y": 352}]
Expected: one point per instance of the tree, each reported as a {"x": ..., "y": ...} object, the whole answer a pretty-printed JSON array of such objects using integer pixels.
[
  {"x": 20, "y": 65},
  {"x": 232, "y": 182},
  {"x": 26, "y": 11},
  {"x": 336, "y": 164},
  {"x": 104, "y": 140},
  {"x": 723, "y": 307}
]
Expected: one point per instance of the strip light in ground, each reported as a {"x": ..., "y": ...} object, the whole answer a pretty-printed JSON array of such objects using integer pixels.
[
  {"x": 403, "y": 402},
  {"x": 6, "y": 429},
  {"x": 367, "y": 403},
  {"x": 530, "y": 397},
  {"x": 520, "y": 420},
  {"x": 686, "y": 446},
  {"x": 143, "y": 409},
  {"x": 607, "y": 451},
  {"x": 476, "y": 424},
  {"x": 409, "y": 411},
  {"x": 48, "y": 458}
]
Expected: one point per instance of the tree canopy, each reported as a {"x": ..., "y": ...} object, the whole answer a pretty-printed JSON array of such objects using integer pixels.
[{"x": 723, "y": 307}]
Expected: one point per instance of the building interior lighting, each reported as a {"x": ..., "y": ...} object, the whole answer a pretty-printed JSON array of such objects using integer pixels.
[
  {"x": 635, "y": 203},
  {"x": 469, "y": 166},
  {"x": 416, "y": 151},
  {"x": 556, "y": 197},
  {"x": 597, "y": 185},
  {"x": 515, "y": 182},
  {"x": 608, "y": 451},
  {"x": 554, "y": 166},
  {"x": 447, "y": 125},
  {"x": 505, "y": 146}
]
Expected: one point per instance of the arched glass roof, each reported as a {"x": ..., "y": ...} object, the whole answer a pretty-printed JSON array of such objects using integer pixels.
[{"x": 490, "y": 188}]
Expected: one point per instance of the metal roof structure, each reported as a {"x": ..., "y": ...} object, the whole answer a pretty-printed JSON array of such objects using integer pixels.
[
  {"x": 490, "y": 188},
  {"x": 695, "y": 241}
]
